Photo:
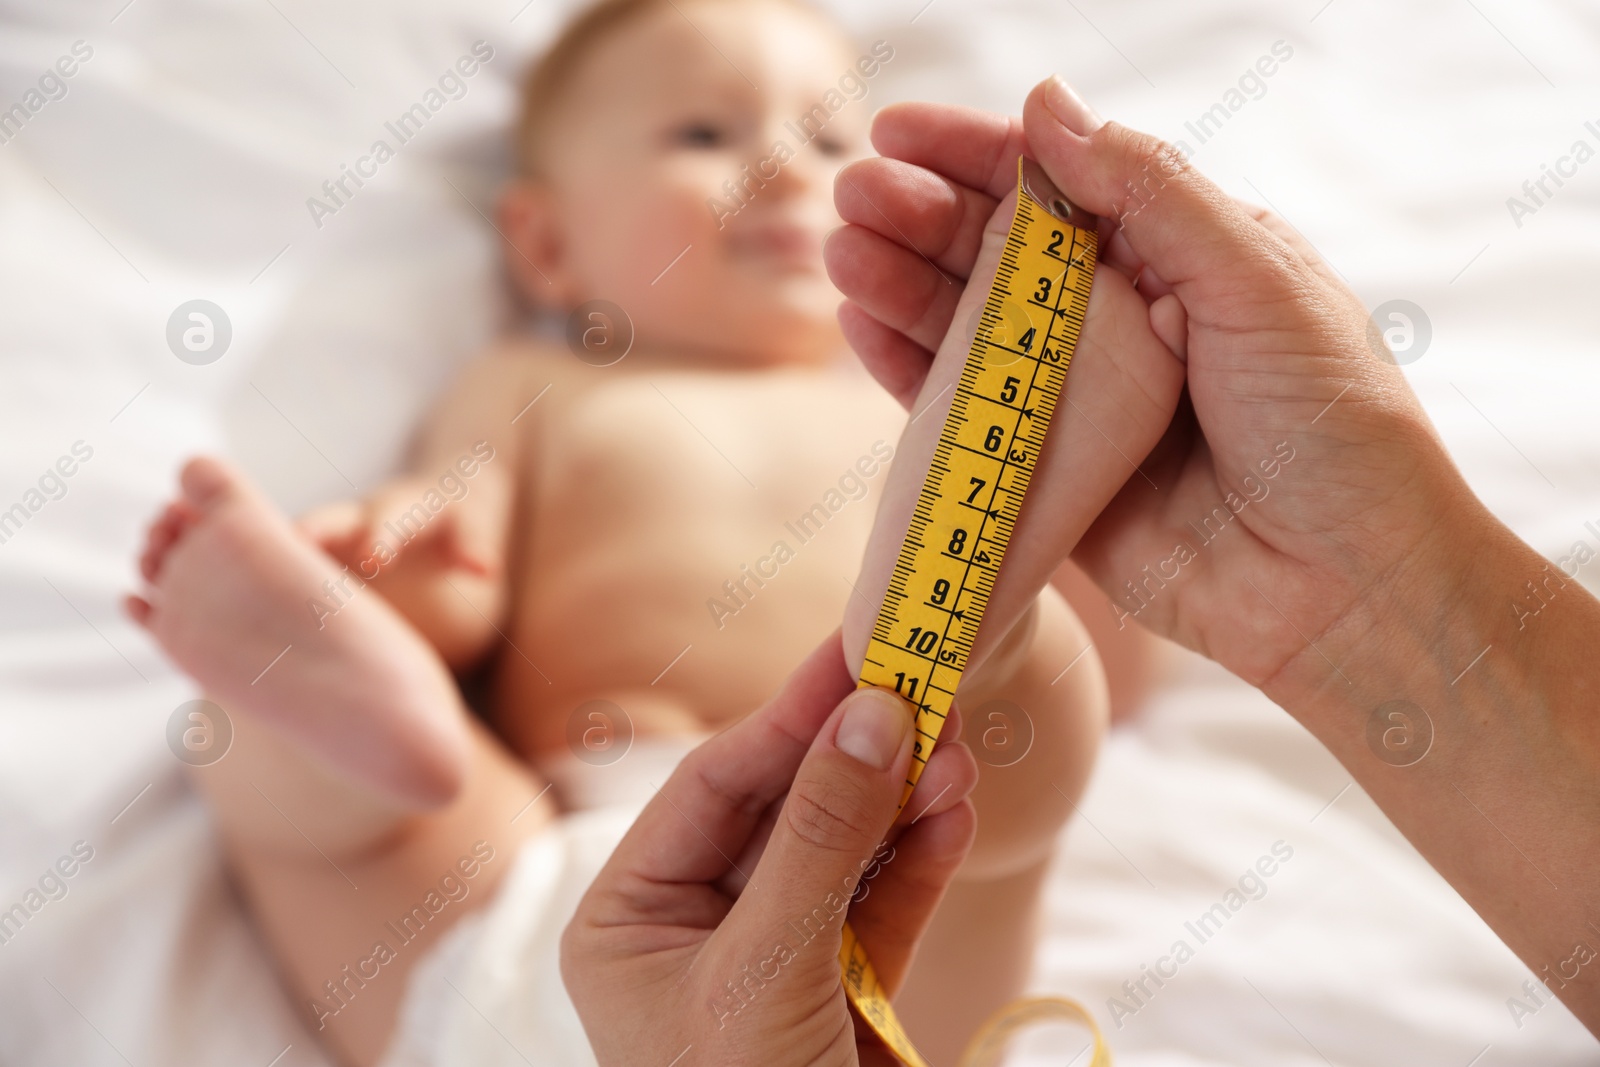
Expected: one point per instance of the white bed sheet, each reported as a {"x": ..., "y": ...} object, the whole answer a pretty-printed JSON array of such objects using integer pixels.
[{"x": 177, "y": 166}]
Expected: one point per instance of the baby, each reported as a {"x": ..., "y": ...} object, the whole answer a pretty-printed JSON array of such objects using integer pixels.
[{"x": 621, "y": 543}]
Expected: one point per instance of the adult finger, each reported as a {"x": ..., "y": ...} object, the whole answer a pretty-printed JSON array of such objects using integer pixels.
[
  {"x": 942, "y": 171},
  {"x": 898, "y": 363},
  {"x": 937, "y": 218},
  {"x": 1295, "y": 240},
  {"x": 977, "y": 149},
  {"x": 895, "y": 285},
  {"x": 908, "y": 873},
  {"x": 1115, "y": 251},
  {"x": 1177, "y": 222},
  {"x": 1169, "y": 319},
  {"x": 840, "y": 807},
  {"x": 903, "y": 887},
  {"x": 949, "y": 776},
  {"x": 946, "y": 781},
  {"x": 710, "y": 806}
]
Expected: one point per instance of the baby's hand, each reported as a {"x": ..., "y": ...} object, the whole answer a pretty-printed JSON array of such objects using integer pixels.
[
  {"x": 405, "y": 523},
  {"x": 434, "y": 558}
]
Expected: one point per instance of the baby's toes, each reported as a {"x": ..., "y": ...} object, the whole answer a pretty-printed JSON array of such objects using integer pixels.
[
  {"x": 162, "y": 535},
  {"x": 138, "y": 609},
  {"x": 207, "y": 482}
]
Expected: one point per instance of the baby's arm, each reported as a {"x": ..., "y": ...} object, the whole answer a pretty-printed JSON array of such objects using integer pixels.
[{"x": 435, "y": 543}]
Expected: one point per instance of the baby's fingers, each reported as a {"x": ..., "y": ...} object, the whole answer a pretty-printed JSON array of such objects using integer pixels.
[
  {"x": 457, "y": 549},
  {"x": 336, "y": 528},
  {"x": 400, "y": 518}
]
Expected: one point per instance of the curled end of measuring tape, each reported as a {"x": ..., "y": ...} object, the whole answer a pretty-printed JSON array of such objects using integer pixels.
[{"x": 989, "y": 1043}]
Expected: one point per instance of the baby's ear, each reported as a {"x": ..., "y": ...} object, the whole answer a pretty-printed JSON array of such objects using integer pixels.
[{"x": 533, "y": 246}]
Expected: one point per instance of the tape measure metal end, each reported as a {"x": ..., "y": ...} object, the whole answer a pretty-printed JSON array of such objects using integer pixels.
[{"x": 1037, "y": 184}]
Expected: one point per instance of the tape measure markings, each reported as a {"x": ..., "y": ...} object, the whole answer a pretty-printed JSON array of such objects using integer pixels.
[
  {"x": 932, "y": 634},
  {"x": 1014, "y": 453}
]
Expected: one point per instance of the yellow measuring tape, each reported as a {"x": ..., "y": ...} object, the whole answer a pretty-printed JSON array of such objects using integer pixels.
[{"x": 962, "y": 524}]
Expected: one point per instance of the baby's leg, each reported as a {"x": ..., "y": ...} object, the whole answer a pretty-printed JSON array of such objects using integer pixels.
[
  {"x": 1035, "y": 731},
  {"x": 349, "y": 910},
  {"x": 356, "y": 782},
  {"x": 232, "y": 599}
]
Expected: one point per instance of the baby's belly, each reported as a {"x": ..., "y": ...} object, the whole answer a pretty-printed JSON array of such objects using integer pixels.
[
  {"x": 670, "y": 645},
  {"x": 669, "y": 590}
]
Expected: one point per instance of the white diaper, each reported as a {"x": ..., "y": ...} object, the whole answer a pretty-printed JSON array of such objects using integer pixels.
[
  {"x": 631, "y": 778},
  {"x": 490, "y": 993}
]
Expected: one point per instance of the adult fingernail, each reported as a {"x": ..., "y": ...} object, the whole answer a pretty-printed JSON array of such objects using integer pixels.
[
  {"x": 1068, "y": 107},
  {"x": 874, "y": 726}
]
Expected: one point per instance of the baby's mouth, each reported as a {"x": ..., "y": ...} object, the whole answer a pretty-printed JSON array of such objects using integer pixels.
[{"x": 783, "y": 243}]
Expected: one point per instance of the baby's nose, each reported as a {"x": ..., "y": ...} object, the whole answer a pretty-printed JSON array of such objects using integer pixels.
[{"x": 808, "y": 171}]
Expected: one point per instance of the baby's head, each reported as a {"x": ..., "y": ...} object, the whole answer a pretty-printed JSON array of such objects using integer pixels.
[{"x": 677, "y": 158}]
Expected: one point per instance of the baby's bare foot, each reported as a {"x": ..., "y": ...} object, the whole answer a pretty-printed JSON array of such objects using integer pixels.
[{"x": 231, "y": 588}]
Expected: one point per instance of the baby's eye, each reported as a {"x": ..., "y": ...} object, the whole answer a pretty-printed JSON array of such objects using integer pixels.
[
  {"x": 832, "y": 146},
  {"x": 700, "y": 135}
]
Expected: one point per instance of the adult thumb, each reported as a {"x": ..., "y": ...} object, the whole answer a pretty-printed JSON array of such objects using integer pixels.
[
  {"x": 844, "y": 799},
  {"x": 1184, "y": 228}
]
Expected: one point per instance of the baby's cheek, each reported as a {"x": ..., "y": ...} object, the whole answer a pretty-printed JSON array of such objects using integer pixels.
[
  {"x": 655, "y": 258},
  {"x": 619, "y": 244}
]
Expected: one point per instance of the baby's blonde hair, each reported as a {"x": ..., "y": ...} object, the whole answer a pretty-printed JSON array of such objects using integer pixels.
[{"x": 549, "y": 78}]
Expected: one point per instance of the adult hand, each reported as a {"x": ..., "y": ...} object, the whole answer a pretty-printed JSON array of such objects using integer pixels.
[
  {"x": 1298, "y": 521},
  {"x": 1204, "y": 544},
  {"x": 674, "y": 948}
]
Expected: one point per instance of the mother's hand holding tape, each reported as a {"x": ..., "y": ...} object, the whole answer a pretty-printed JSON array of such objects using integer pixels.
[
  {"x": 1293, "y": 515},
  {"x": 674, "y": 948}
]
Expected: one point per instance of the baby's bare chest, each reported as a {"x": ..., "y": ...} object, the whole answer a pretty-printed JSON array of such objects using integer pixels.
[
  {"x": 707, "y": 525},
  {"x": 702, "y": 468}
]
